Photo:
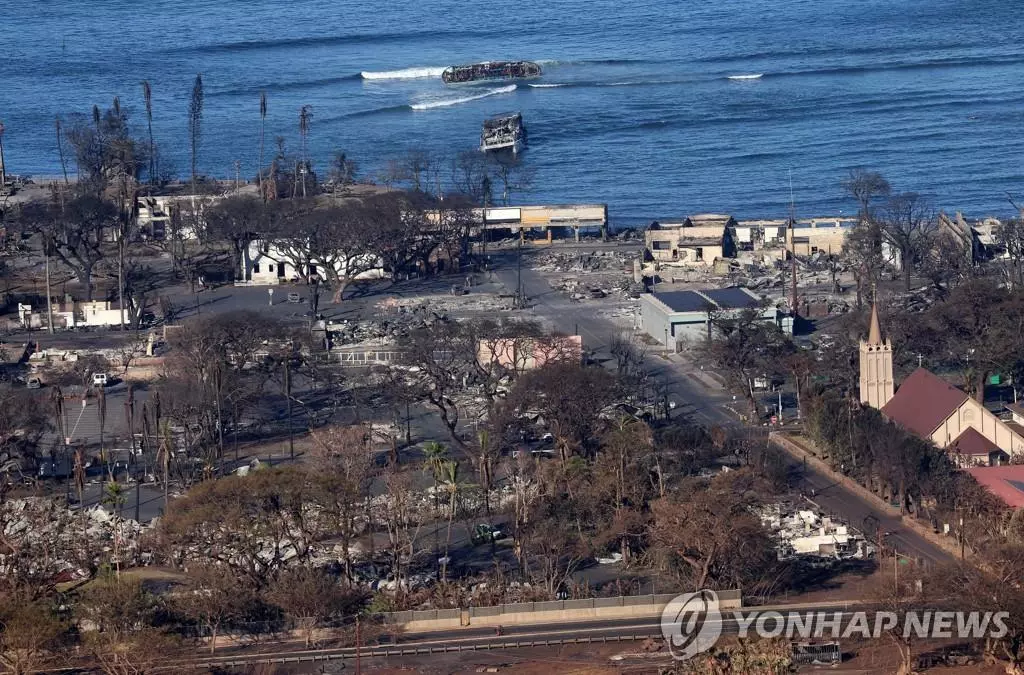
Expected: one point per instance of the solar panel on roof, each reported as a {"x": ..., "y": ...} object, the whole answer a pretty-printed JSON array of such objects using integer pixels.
[
  {"x": 683, "y": 301},
  {"x": 731, "y": 298}
]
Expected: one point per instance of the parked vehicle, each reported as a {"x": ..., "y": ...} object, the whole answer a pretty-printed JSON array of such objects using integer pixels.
[
  {"x": 294, "y": 298},
  {"x": 485, "y": 533},
  {"x": 33, "y": 383},
  {"x": 99, "y": 379}
]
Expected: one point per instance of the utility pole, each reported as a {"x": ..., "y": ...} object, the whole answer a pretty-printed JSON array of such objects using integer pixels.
[
  {"x": 49, "y": 295},
  {"x": 288, "y": 397},
  {"x": 483, "y": 216},
  {"x": 519, "y": 271},
  {"x": 359, "y": 640},
  {"x": 961, "y": 536}
]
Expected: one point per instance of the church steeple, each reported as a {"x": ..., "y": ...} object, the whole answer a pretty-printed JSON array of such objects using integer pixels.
[
  {"x": 875, "y": 330},
  {"x": 876, "y": 379}
]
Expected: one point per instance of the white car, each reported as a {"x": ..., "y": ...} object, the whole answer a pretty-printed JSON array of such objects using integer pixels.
[{"x": 99, "y": 379}]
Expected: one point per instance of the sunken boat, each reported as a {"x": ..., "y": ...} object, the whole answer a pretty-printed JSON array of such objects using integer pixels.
[
  {"x": 503, "y": 132},
  {"x": 489, "y": 71}
]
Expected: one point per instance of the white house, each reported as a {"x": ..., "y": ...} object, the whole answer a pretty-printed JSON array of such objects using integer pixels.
[
  {"x": 267, "y": 264},
  {"x": 74, "y": 315},
  {"x": 155, "y": 213}
]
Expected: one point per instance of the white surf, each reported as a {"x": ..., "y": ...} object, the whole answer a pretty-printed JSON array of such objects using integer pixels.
[
  {"x": 404, "y": 74},
  {"x": 754, "y": 76},
  {"x": 446, "y": 102}
]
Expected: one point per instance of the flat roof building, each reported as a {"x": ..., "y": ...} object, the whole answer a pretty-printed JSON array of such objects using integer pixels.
[{"x": 677, "y": 316}]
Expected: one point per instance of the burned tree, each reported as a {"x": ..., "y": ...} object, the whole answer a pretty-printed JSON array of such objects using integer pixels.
[
  {"x": 240, "y": 220},
  {"x": 75, "y": 225},
  {"x": 907, "y": 221},
  {"x": 747, "y": 348},
  {"x": 336, "y": 243}
]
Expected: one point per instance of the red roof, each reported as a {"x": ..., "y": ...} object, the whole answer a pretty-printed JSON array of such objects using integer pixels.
[
  {"x": 972, "y": 443},
  {"x": 1005, "y": 482},
  {"x": 922, "y": 402}
]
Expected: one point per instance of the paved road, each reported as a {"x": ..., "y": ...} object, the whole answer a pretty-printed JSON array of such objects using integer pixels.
[
  {"x": 704, "y": 404},
  {"x": 855, "y": 510},
  {"x": 707, "y": 405}
]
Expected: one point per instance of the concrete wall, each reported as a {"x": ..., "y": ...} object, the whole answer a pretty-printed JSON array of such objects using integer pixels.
[
  {"x": 558, "y": 611},
  {"x": 698, "y": 255},
  {"x": 813, "y": 234},
  {"x": 679, "y": 243}
]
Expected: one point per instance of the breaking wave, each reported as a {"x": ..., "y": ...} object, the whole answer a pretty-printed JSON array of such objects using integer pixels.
[
  {"x": 446, "y": 102},
  {"x": 594, "y": 62},
  {"x": 753, "y": 76},
  {"x": 622, "y": 83},
  {"x": 403, "y": 74}
]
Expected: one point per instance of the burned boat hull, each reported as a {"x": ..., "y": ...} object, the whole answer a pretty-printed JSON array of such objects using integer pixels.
[
  {"x": 490, "y": 71},
  {"x": 503, "y": 133}
]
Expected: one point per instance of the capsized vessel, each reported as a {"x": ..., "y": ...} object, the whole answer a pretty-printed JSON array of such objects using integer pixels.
[{"x": 490, "y": 70}]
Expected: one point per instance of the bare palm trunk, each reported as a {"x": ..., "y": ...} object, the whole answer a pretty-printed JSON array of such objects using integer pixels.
[
  {"x": 448, "y": 539},
  {"x": 263, "y": 127},
  {"x": 60, "y": 151}
]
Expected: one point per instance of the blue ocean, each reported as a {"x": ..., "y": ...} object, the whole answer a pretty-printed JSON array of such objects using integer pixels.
[{"x": 651, "y": 106}]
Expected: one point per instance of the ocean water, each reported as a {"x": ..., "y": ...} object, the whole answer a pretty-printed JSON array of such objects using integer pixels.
[{"x": 639, "y": 105}]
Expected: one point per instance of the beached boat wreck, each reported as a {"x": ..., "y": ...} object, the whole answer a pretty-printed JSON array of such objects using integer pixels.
[
  {"x": 490, "y": 70},
  {"x": 503, "y": 132}
]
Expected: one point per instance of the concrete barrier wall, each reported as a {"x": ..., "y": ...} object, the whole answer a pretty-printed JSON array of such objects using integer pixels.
[{"x": 549, "y": 612}]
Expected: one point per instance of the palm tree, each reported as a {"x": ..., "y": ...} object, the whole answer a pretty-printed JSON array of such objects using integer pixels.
[
  {"x": 263, "y": 128},
  {"x": 114, "y": 497},
  {"x": 3, "y": 169},
  {"x": 166, "y": 447},
  {"x": 147, "y": 95},
  {"x": 434, "y": 457},
  {"x": 102, "y": 410},
  {"x": 60, "y": 148},
  {"x": 452, "y": 485},
  {"x": 305, "y": 115},
  {"x": 195, "y": 120},
  {"x": 485, "y": 466}
]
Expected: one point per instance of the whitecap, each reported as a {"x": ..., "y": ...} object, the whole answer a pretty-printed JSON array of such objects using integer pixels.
[
  {"x": 445, "y": 102},
  {"x": 404, "y": 74}
]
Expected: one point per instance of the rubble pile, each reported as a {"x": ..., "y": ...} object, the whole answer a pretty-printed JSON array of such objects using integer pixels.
[
  {"x": 802, "y": 532},
  {"x": 591, "y": 276},
  {"x": 351, "y": 333},
  {"x": 38, "y": 529},
  {"x": 397, "y": 317},
  {"x": 595, "y": 261}
]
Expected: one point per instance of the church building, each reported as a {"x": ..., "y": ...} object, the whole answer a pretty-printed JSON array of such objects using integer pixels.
[{"x": 931, "y": 408}]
